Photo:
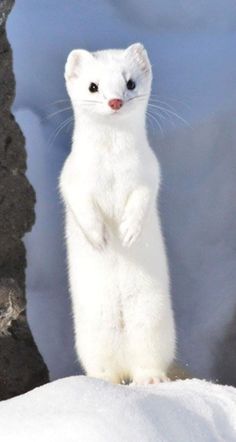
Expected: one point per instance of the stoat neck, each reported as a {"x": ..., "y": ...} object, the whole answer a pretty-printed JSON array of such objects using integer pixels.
[{"x": 85, "y": 127}]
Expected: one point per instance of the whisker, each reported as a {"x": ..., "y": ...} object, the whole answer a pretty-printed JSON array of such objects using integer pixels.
[
  {"x": 65, "y": 101},
  {"x": 156, "y": 101},
  {"x": 57, "y": 102},
  {"x": 88, "y": 101},
  {"x": 58, "y": 112},
  {"x": 156, "y": 97},
  {"x": 183, "y": 103},
  {"x": 142, "y": 96},
  {"x": 171, "y": 113},
  {"x": 159, "y": 112},
  {"x": 61, "y": 126},
  {"x": 156, "y": 121},
  {"x": 149, "y": 120}
]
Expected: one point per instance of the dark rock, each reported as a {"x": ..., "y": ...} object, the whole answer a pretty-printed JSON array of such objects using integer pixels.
[
  {"x": 5, "y": 8},
  {"x": 21, "y": 365},
  {"x": 12, "y": 304}
]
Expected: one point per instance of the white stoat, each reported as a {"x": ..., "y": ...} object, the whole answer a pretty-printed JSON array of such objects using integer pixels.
[{"x": 117, "y": 263}]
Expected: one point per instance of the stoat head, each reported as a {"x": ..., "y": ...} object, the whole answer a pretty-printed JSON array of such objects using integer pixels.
[{"x": 112, "y": 85}]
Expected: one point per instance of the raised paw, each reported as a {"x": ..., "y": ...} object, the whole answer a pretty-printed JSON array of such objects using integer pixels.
[
  {"x": 98, "y": 239},
  {"x": 129, "y": 231}
]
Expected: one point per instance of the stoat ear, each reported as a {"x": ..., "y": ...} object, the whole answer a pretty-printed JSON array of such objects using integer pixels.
[
  {"x": 138, "y": 53},
  {"x": 74, "y": 62}
]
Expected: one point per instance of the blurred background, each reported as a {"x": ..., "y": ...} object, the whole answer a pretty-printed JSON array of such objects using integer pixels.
[{"x": 192, "y": 50}]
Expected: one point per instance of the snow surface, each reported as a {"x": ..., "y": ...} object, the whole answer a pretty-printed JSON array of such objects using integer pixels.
[
  {"x": 89, "y": 410},
  {"x": 192, "y": 48}
]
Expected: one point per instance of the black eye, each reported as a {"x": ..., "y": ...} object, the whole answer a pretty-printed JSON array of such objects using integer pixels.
[
  {"x": 130, "y": 84},
  {"x": 93, "y": 87}
]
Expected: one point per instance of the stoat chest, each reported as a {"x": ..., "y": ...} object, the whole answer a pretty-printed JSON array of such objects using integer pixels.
[{"x": 119, "y": 171}]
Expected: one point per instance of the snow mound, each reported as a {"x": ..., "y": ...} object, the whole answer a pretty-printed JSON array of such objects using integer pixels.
[{"x": 82, "y": 409}]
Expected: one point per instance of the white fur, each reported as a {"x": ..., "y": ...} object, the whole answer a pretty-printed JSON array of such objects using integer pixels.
[{"x": 116, "y": 257}]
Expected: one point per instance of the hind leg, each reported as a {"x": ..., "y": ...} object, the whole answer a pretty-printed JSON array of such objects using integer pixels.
[
  {"x": 150, "y": 342},
  {"x": 98, "y": 353},
  {"x": 99, "y": 334},
  {"x": 95, "y": 302},
  {"x": 151, "y": 353}
]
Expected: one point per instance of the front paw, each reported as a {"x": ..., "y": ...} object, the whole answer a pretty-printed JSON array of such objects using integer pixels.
[
  {"x": 130, "y": 230},
  {"x": 98, "y": 238}
]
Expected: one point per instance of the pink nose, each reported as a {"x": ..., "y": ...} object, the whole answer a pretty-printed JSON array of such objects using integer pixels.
[{"x": 115, "y": 103}]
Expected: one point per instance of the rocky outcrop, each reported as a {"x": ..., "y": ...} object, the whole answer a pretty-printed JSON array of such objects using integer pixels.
[{"x": 21, "y": 365}]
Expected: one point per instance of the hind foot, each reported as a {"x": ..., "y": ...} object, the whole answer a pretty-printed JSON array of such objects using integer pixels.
[{"x": 149, "y": 380}]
